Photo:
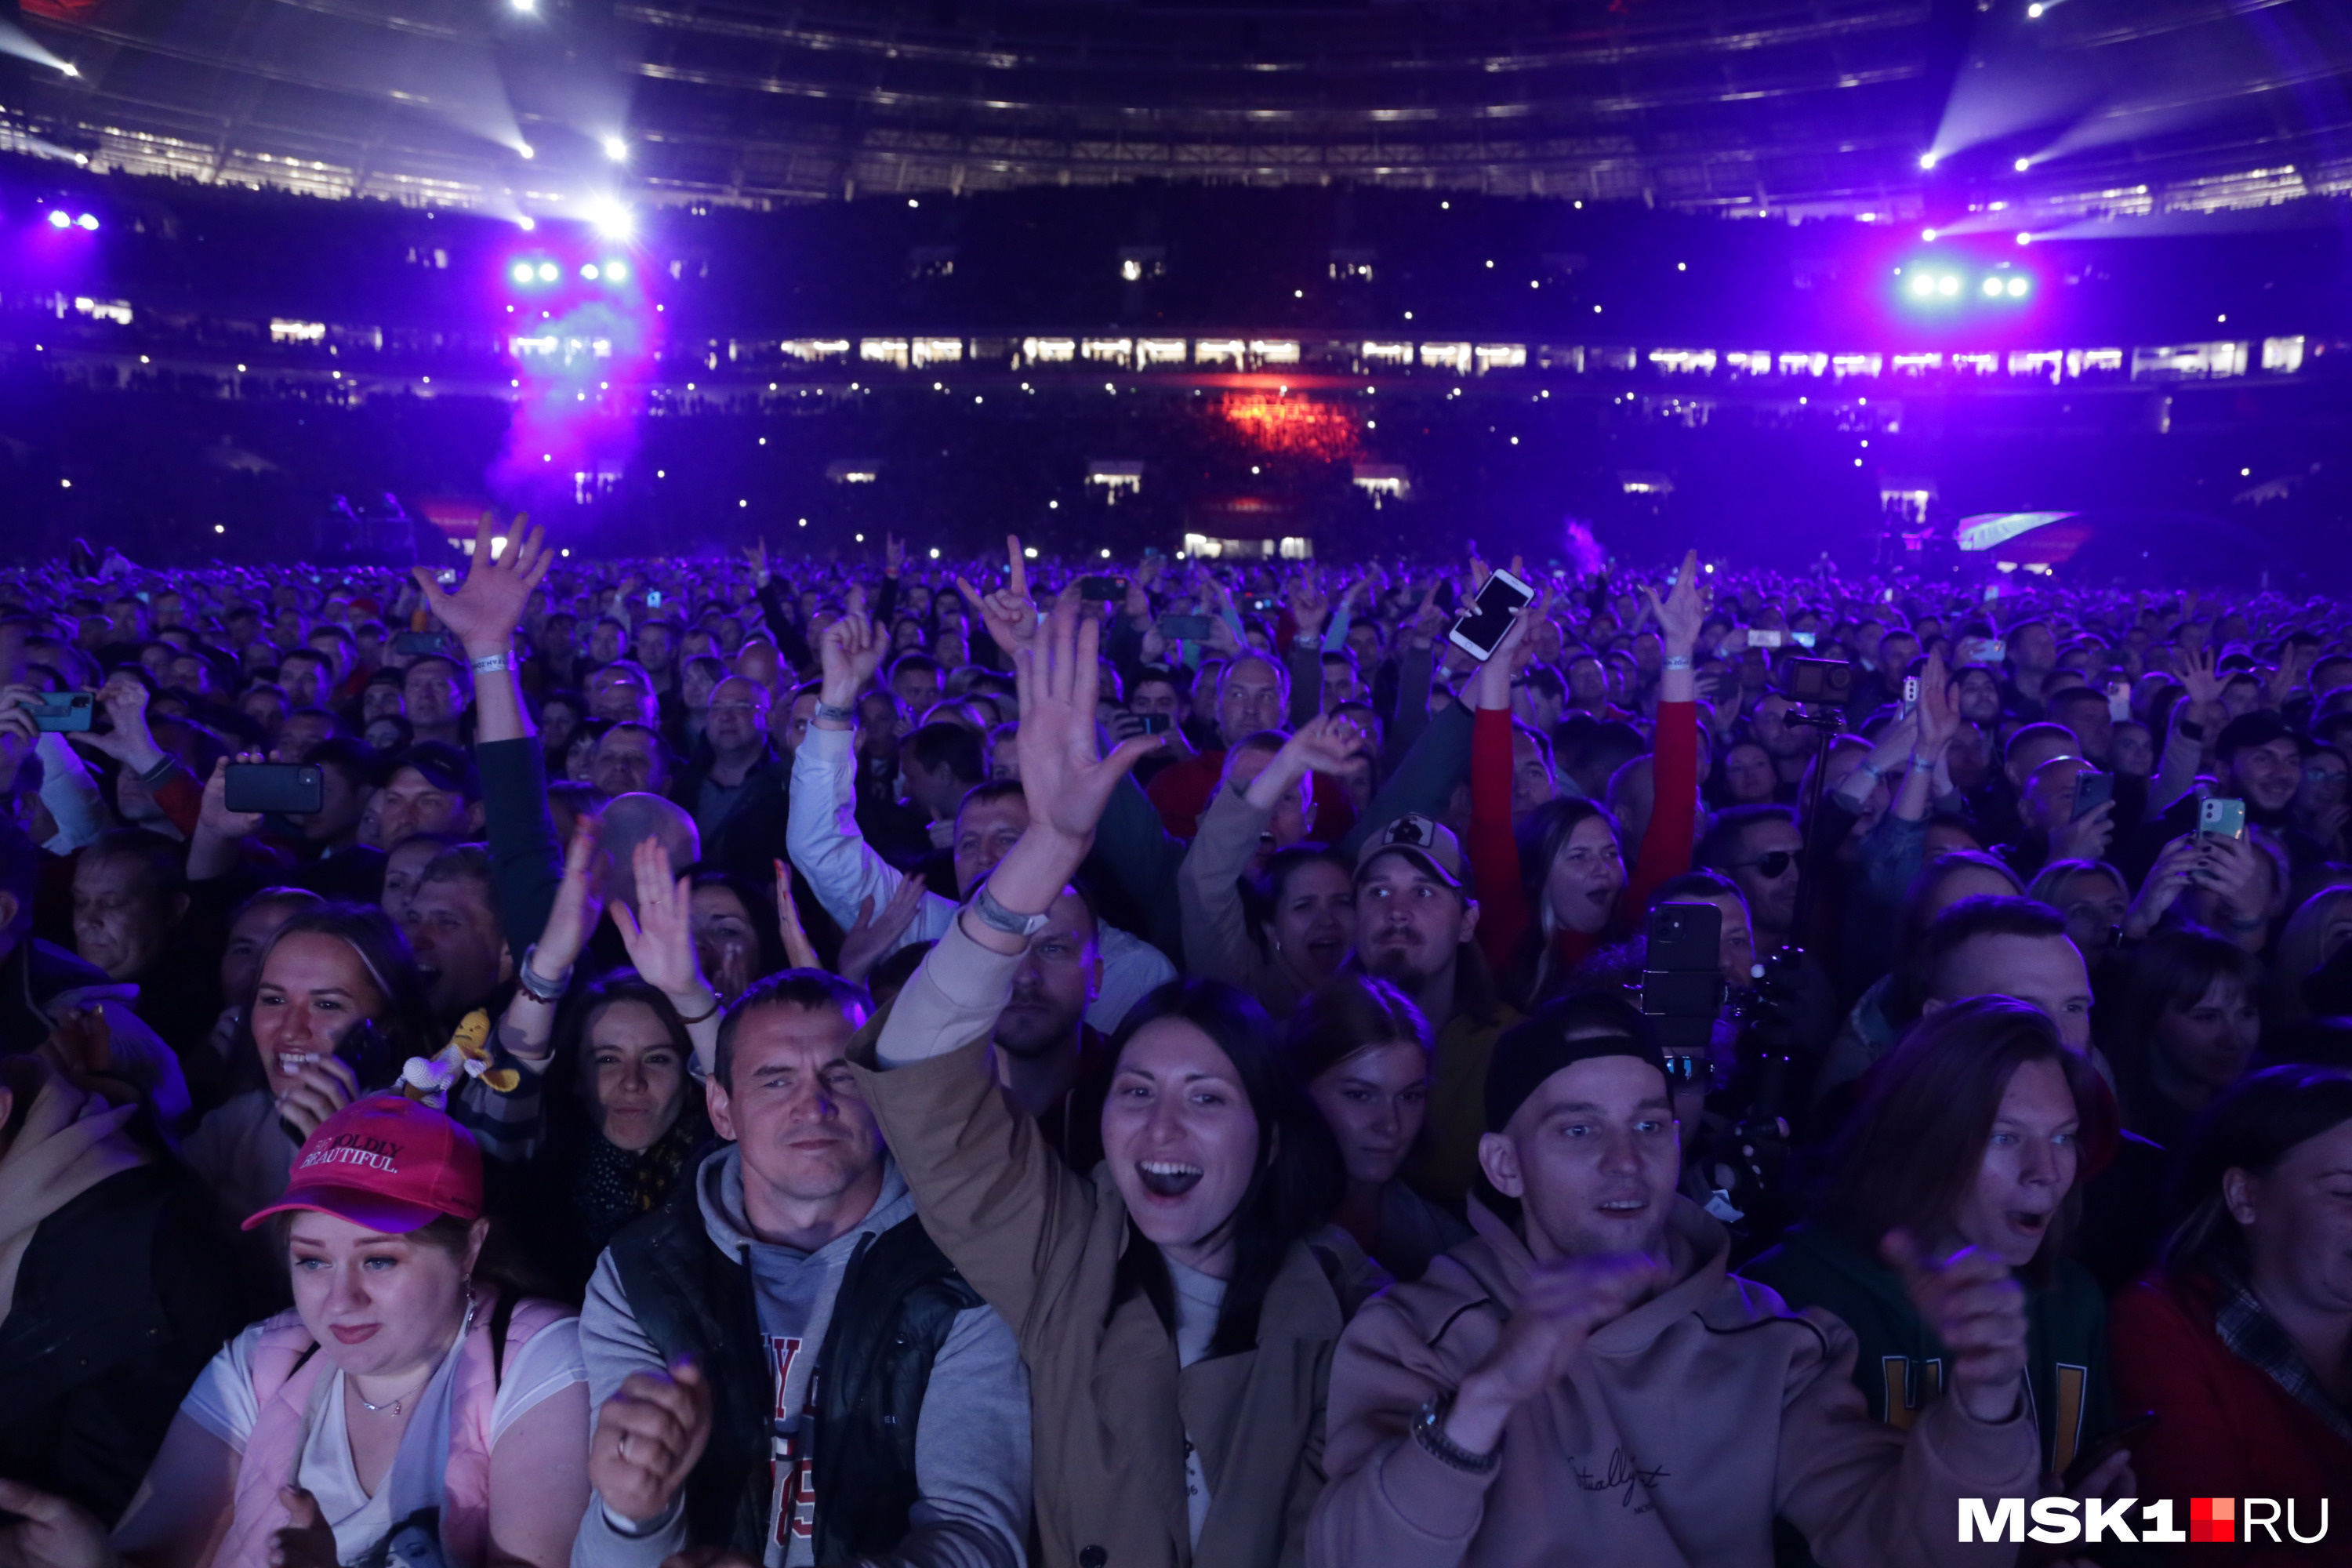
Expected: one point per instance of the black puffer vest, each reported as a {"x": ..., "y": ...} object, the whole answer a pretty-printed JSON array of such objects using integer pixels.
[{"x": 898, "y": 1302}]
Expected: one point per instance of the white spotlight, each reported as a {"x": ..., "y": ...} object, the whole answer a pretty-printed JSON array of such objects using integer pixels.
[
  {"x": 527, "y": 224},
  {"x": 2025, "y": 239},
  {"x": 2023, "y": 165},
  {"x": 1927, "y": 160},
  {"x": 616, "y": 272},
  {"x": 612, "y": 219},
  {"x": 2034, "y": 11},
  {"x": 1947, "y": 286},
  {"x": 547, "y": 272},
  {"x": 2017, "y": 288},
  {"x": 70, "y": 69},
  {"x": 588, "y": 272},
  {"x": 1992, "y": 288},
  {"x": 527, "y": 7},
  {"x": 1922, "y": 285},
  {"x": 528, "y": 151},
  {"x": 616, "y": 150}
]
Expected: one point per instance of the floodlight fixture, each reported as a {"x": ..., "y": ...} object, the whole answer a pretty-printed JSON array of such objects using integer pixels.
[
  {"x": 588, "y": 270},
  {"x": 87, "y": 222},
  {"x": 616, "y": 272},
  {"x": 1992, "y": 288},
  {"x": 58, "y": 219},
  {"x": 1927, "y": 160},
  {"x": 547, "y": 272},
  {"x": 69, "y": 69},
  {"x": 617, "y": 149},
  {"x": 1922, "y": 285},
  {"x": 1947, "y": 286},
  {"x": 527, "y": 149},
  {"x": 522, "y": 272},
  {"x": 2023, "y": 165},
  {"x": 2024, "y": 238},
  {"x": 527, "y": 224},
  {"x": 2018, "y": 288}
]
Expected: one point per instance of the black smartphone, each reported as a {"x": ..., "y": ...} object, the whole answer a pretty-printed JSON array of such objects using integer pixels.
[
  {"x": 1682, "y": 974},
  {"x": 416, "y": 644},
  {"x": 2092, "y": 791},
  {"x": 1185, "y": 628},
  {"x": 1816, "y": 679},
  {"x": 2122, "y": 1436},
  {"x": 289, "y": 789},
  {"x": 63, "y": 713},
  {"x": 1102, "y": 590},
  {"x": 1151, "y": 723}
]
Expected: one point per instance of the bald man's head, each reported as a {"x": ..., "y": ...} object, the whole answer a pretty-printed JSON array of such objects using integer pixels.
[{"x": 629, "y": 820}]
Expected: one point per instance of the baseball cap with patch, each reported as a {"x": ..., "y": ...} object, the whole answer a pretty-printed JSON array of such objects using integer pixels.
[
  {"x": 1427, "y": 843},
  {"x": 389, "y": 1162}
]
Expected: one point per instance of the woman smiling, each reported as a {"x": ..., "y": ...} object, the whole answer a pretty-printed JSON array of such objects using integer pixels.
[
  {"x": 1178, "y": 1331},
  {"x": 405, "y": 1407}
]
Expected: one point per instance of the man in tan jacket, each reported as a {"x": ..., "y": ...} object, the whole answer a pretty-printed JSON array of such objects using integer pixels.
[{"x": 1592, "y": 1387}]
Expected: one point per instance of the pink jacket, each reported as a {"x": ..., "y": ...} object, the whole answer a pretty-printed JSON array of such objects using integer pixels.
[
  {"x": 1684, "y": 1427},
  {"x": 284, "y": 1375}
]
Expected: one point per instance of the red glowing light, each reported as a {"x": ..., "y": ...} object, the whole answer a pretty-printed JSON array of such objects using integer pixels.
[{"x": 1297, "y": 426}]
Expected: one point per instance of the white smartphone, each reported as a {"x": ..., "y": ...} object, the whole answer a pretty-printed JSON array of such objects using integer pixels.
[
  {"x": 1482, "y": 627},
  {"x": 2119, "y": 701},
  {"x": 1910, "y": 692},
  {"x": 1763, "y": 636}
]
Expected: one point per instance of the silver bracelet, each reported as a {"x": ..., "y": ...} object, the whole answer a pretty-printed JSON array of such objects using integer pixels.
[
  {"x": 539, "y": 987},
  {"x": 1429, "y": 1431}
]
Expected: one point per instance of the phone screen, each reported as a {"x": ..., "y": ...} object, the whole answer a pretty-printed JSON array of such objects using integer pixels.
[{"x": 1491, "y": 613}]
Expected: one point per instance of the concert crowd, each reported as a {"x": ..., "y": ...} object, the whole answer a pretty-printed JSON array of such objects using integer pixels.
[{"x": 962, "y": 1064}]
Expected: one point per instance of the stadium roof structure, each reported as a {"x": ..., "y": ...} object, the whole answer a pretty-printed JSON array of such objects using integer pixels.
[{"x": 1898, "y": 109}]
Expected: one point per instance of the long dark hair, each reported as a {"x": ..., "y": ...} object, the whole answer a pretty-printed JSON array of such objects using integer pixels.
[
  {"x": 1352, "y": 1012},
  {"x": 1916, "y": 1141},
  {"x": 403, "y": 1027},
  {"x": 1262, "y": 900},
  {"x": 571, "y": 1121},
  {"x": 1532, "y": 973},
  {"x": 2170, "y": 973},
  {"x": 1296, "y": 1179},
  {"x": 2251, "y": 1126}
]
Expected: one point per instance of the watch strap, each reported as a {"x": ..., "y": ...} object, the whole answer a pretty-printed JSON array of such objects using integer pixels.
[
  {"x": 827, "y": 711},
  {"x": 996, "y": 917}
]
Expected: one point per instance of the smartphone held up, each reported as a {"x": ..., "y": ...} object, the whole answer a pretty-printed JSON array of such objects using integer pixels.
[{"x": 1481, "y": 629}]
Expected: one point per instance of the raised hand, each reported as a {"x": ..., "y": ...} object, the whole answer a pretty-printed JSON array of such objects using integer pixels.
[
  {"x": 798, "y": 952},
  {"x": 1322, "y": 745},
  {"x": 894, "y": 553},
  {"x": 1063, "y": 775},
  {"x": 756, "y": 556},
  {"x": 1310, "y": 607},
  {"x": 659, "y": 933},
  {"x": 849, "y": 650},
  {"x": 2086, "y": 838},
  {"x": 19, "y": 734},
  {"x": 875, "y": 933},
  {"x": 649, "y": 1437},
  {"x": 1683, "y": 611},
  {"x": 1972, "y": 1303},
  {"x": 1491, "y": 686},
  {"x": 485, "y": 609},
  {"x": 1419, "y": 629},
  {"x": 2199, "y": 674},
  {"x": 1939, "y": 709},
  {"x": 131, "y": 742},
  {"x": 213, "y": 814},
  {"x": 1010, "y": 615},
  {"x": 2171, "y": 876},
  {"x": 579, "y": 904}
]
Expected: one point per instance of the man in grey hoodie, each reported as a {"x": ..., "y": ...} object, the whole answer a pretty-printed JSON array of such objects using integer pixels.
[{"x": 783, "y": 1364}]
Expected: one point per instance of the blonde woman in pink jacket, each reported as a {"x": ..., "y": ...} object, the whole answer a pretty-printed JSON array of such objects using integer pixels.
[{"x": 401, "y": 1411}]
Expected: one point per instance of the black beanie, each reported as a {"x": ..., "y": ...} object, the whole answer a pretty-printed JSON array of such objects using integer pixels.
[{"x": 1570, "y": 1031}]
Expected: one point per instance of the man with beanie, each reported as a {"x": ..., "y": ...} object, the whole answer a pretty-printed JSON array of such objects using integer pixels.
[{"x": 1588, "y": 1383}]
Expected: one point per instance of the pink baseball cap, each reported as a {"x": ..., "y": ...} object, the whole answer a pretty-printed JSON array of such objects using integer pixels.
[{"x": 387, "y": 1162}]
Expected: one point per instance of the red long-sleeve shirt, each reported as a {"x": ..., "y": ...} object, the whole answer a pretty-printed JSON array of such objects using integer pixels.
[{"x": 1505, "y": 912}]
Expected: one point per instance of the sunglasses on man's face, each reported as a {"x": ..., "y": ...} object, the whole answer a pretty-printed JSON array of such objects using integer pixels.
[{"x": 1776, "y": 864}]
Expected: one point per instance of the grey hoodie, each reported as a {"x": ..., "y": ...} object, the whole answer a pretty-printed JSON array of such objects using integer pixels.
[{"x": 971, "y": 1451}]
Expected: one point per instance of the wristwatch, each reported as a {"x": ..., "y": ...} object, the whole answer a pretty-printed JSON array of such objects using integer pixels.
[
  {"x": 1429, "y": 1431},
  {"x": 996, "y": 917},
  {"x": 831, "y": 715}
]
